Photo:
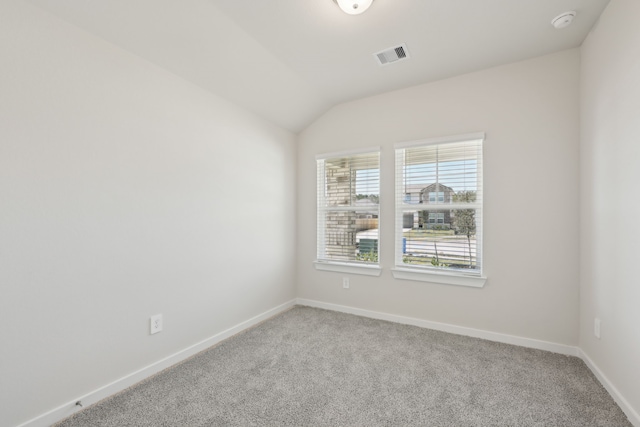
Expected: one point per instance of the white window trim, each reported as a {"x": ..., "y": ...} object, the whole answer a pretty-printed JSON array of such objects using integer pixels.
[
  {"x": 342, "y": 266},
  {"x": 427, "y": 274},
  {"x": 348, "y": 267},
  {"x": 445, "y": 278}
]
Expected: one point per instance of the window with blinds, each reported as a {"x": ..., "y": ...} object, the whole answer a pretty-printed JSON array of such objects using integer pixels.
[
  {"x": 439, "y": 205},
  {"x": 349, "y": 207}
]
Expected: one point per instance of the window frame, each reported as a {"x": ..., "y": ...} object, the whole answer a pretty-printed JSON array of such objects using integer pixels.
[
  {"x": 434, "y": 274},
  {"x": 343, "y": 266}
]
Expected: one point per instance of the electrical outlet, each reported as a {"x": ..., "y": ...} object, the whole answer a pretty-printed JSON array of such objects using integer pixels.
[
  {"x": 345, "y": 282},
  {"x": 596, "y": 328},
  {"x": 156, "y": 324}
]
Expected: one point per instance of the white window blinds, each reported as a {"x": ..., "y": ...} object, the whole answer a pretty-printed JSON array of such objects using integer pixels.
[
  {"x": 348, "y": 207},
  {"x": 439, "y": 204}
]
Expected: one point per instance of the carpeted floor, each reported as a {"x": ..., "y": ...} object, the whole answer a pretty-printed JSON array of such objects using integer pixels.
[{"x": 312, "y": 367}]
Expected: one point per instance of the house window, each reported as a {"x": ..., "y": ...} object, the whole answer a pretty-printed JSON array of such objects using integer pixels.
[
  {"x": 447, "y": 170},
  {"x": 436, "y": 197},
  {"x": 436, "y": 217},
  {"x": 348, "y": 209}
]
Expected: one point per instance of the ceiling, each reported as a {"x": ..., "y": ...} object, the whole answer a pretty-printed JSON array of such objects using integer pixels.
[{"x": 291, "y": 60}]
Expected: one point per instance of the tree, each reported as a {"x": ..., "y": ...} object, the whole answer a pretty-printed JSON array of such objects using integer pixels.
[{"x": 464, "y": 221}]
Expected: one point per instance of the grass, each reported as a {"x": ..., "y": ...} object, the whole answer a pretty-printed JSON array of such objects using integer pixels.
[
  {"x": 416, "y": 260},
  {"x": 422, "y": 233},
  {"x": 445, "y": 260}
]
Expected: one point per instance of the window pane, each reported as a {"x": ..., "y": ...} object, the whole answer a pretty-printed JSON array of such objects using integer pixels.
[
  {"x": 437, "y": 232},
  {"x": 352, "y": 181},
  {"x": 348, "y": 208},
  {"x": 351, "y": 236},
  {"x": 438, "y": 172},
  {"x": 447, "y": 240}
]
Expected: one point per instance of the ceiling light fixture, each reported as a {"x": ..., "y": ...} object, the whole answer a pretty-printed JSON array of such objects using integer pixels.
[{"x": 353, "y": 7}]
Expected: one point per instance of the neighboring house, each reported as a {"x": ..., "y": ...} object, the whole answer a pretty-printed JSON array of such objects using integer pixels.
[
  {"x": 412, "y": 193},
  {"x": 436, "y": 194},
  {"x": 432, "y": 194}
]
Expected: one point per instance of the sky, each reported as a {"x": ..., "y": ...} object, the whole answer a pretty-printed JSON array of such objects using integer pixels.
[{"x": 459, "y": 175}]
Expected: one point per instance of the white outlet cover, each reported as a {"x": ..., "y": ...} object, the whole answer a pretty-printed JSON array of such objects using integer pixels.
[
  {"x": 345, "y": 282},
  {"x": 596, "y": 328},
  {"x": 155, "y": 324}
]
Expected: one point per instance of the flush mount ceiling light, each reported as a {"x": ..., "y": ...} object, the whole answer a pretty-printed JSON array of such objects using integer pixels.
[{"x": 353, "y": 7}]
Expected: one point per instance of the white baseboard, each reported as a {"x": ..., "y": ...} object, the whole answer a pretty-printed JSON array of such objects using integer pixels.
[
  {"x": 69, "y": 408},
  {"x": 63, "y": 411},
  {"x": 445, "y": 327},
  {"x": 633, "y": 416}
]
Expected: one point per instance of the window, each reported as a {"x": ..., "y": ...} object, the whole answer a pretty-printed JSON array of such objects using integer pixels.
[
  {"x": 440, "y": 241},
  {"x": 348, "y": 212},
  {"x": 436, "y": 196},
  {"x": 436, "y": 217}
]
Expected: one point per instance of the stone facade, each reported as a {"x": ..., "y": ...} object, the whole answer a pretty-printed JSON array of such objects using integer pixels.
[{"x": 340, "y": 226}]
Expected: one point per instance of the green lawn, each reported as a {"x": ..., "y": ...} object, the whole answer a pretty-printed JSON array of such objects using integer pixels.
[
  {"x": 444, "y": 260},
  {"x": 422, "y": 233}
]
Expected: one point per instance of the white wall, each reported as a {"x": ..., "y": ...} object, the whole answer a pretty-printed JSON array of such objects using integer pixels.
[
  {"x": 529, "y": 111},
  {"x": 610, "y": 173},
  {"x": 124, "y": 192}
]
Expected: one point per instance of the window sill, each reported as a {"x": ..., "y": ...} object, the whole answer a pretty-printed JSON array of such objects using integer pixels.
[
  {"x": 343, "y": 267},
  {"x": 442, "y": 278}
]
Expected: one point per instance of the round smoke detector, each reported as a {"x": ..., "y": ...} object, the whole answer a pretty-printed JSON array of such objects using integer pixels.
[{"x": 563, "y": 20}]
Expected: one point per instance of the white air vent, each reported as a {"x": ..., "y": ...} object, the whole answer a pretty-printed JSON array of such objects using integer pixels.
[{"x": 393, "y": 54}]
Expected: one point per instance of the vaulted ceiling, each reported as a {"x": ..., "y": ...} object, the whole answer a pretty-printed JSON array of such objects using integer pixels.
[{"x": 291, "y": 60}]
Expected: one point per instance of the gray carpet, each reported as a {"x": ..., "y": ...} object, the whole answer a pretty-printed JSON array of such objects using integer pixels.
[{"x": 312, "y": 367}]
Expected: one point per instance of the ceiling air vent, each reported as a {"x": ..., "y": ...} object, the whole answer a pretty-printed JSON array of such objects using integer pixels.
[{"x": 393, "y": 54}]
